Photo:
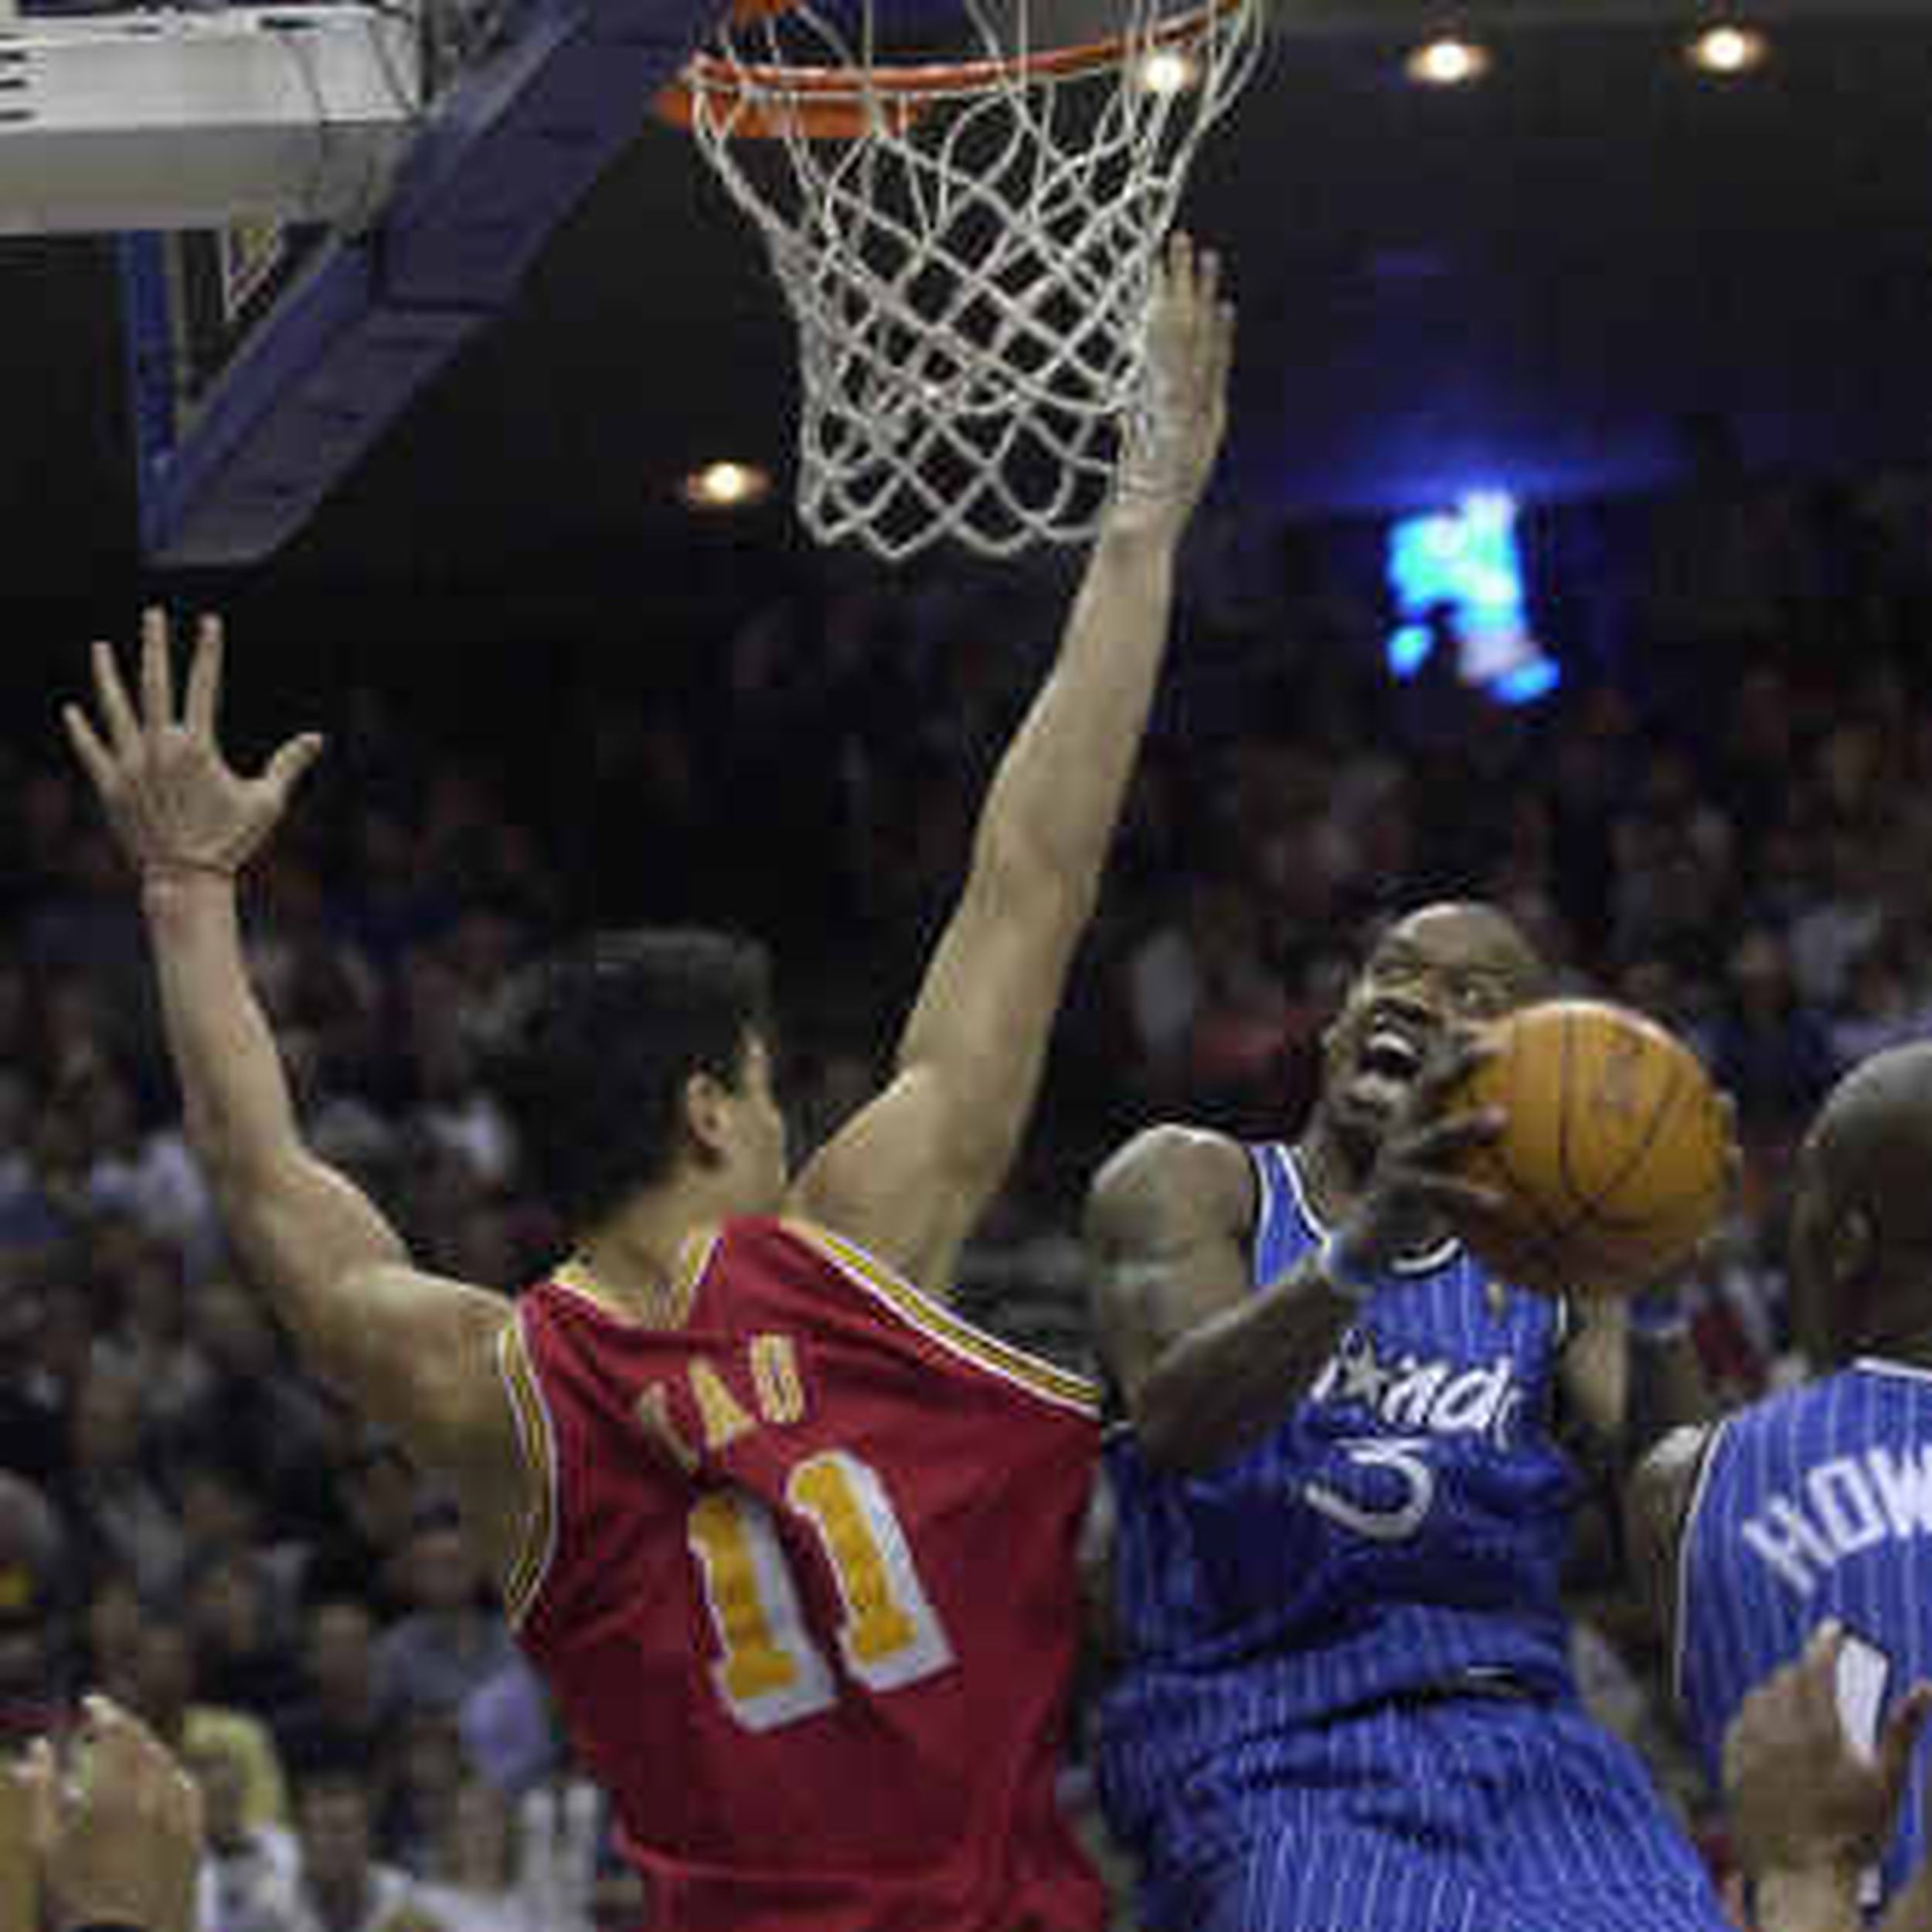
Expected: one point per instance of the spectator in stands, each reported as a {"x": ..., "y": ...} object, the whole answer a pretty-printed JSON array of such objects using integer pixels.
[
  {"x": 1771, "y": 1053},
  {"x": 508, "y": 1726},
  {"x": 340, "y": 1885},
  {"x": 449, "y": 1644},
  {"x": 426, "y": 1771},
  {"x": 247, "y": 1881},
  {"x": 241, "y": 1642},
  {"x": 339, "y": 1720},
  {"x": 165, "y": 1698},
  {"x": 475, "y": 1883},
  {"x": 109, "y": 1651},
  {"x": 119, "y": 1515}
]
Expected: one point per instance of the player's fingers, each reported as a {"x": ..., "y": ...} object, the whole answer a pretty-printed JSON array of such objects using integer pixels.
[
  {"x": 124, "y": 733},
  {"x": 112, "y": 1734},
  {"x": 190, "y": 1806},
  {"x": 1222, "y": 359},
  {"x": 1814, "y": 1679},
  {"x": 38, "y": 1774},
  {"x": 1180, "y": 265},
  {"x": 1442, "y": 1139},
  {"x": 1207, "y": 281},
  {"x": 157, "y": 673},
  {"x": 1451, "y": 1197},
  {"x": 290, "y": 761},
  {"x": 204, "y": 680},
  {"x": 93, "y": 754}
]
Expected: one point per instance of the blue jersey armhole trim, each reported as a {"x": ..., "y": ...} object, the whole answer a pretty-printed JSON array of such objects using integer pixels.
[
  {"x": 1275, "y": 1179},
  {"x": 1686, "y": 1554}
]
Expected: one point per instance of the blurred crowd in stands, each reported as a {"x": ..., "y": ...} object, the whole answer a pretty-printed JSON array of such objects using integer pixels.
[{"x": 1724, "y": 816}]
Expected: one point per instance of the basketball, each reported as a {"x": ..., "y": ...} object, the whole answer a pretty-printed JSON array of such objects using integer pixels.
[{"x": 1614, "y": 1161}]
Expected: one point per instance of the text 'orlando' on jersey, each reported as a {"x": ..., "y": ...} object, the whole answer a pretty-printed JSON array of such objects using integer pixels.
[
  {"x": 1815, "y": 1504},
  {"x": 1404, "y": 1525},
  {"x": 807, "y": 1597}
]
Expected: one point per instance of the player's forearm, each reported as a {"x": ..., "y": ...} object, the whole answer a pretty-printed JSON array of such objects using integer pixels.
[
  {"x": 301, "y": 1228},
  {"x": 1051, "y": 813},
  {"x": 1217, "y": 1390}
]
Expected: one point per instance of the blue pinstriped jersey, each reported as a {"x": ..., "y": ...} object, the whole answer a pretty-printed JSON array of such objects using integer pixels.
[
  {"x": 1402, "y": 1528},
  {"x": 1815, "y": 1504}
]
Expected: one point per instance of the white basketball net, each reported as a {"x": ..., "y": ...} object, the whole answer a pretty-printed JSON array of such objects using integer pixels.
[{"x": 969, "y": 271}]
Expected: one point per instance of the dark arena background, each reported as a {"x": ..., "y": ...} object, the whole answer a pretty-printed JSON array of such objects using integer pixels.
[{"x": 1571, "y": 547}]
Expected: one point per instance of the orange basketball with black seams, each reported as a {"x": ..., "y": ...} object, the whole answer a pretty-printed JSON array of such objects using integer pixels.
[{"x": 1614, "y": 1160}]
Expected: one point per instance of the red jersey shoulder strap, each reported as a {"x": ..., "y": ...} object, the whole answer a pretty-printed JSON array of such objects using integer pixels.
[{"x": 898, "y": 1299}]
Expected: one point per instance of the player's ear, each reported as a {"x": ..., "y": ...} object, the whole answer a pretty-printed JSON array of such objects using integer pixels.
[
  {"x": 1853, "y": 1248},
  {"x": 706, "y": 1114}
]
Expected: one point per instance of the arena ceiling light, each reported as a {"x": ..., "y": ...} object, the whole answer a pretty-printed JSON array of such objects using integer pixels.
[
  {"x": 1728, "y": 49},
  {"x": 1167, "y": 70},
  {"x": 726, "y": 486},
  {"x": 1447, "y": 61}
]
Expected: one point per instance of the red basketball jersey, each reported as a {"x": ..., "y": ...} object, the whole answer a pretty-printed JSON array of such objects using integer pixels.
[{"x": 807, "y": 1593}]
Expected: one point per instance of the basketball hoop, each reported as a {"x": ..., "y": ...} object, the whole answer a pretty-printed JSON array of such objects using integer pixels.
[{"x": 966, "y": 245}]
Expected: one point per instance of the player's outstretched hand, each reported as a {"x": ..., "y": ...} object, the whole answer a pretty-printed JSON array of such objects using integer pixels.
[
  {"x": 1802, "y": 1799},
  {"x": 1173, "y": 434},
  {"x": 174, "y": 803},
  {"x": 1416, "y": 1182},
  {"x": 118, "y": 1827}
]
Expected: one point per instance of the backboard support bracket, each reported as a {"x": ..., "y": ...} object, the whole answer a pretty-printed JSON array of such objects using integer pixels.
[{"x": 507, "y": 153}]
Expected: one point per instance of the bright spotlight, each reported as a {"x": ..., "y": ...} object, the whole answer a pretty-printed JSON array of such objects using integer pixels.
[
  {"x": 1167, "y": 70},
  {"x": 1728, "y": 50},
  {"x": 1447, "y": 63},
  {"x": 724, "y": 486}
]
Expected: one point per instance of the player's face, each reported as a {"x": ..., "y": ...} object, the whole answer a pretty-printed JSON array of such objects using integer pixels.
[{"x": 1443, "y": 967}]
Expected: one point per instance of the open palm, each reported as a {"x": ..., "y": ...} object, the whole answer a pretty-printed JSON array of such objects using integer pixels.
[{"x": 172, "y": 798}]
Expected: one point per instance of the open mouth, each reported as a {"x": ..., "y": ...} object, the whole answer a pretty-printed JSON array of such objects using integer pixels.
[
  {"x": 1390, "y": 1056},
  {"x": 1387, "y": 1064}
]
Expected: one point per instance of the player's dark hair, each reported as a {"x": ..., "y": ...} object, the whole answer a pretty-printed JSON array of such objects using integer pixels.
[{"x": 589, "y": 1051}]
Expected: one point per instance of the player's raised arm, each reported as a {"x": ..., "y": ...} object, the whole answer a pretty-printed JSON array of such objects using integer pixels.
[
  {"x": 414, "y": 1350},
  {"x": 911, "y": 1174}
]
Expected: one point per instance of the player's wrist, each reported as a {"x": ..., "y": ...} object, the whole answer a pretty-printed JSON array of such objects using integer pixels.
[
  {"x": 1817, "y": 1897},
  {"x": 174, "y": 869},
  {"x": 177, "y": 886},
  {"x": 1145, "y": 520}
]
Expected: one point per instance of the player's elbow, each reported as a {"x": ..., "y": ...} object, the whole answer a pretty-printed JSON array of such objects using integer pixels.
[{"x": 248, "y": 1172}]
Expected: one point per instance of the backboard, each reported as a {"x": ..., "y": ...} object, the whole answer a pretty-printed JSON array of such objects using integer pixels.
[{"x": 318, "y": 205}]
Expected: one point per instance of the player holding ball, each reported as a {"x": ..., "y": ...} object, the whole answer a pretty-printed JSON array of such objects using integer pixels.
[{"x": 1344, "y": 1493}]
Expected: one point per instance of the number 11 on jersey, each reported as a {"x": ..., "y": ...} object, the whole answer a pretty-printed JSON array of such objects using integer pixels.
[{"x": 769, "y": 1670}]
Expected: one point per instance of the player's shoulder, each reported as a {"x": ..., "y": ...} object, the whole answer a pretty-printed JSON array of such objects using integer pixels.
[
  {"x": 1670, "y": 1466},
  {"x": 1168, "y": 1176}
]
